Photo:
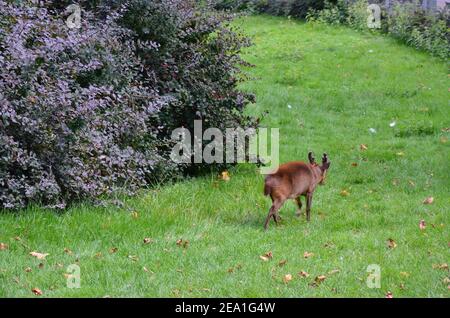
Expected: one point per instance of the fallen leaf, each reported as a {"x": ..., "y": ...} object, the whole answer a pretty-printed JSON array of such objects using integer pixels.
[
  {"x": 307, "y": 254},
  {"x": 404, "y": 274},
  {"x": 334, "y": 271},
  {"x": 363, "y": 147},
  {"x": 354, "y": 164},
  {"x": 3, "y": 246},
  {"x": 37, "y": 291},
  {"x": 440, "y": 266},
  {"x": 113, "y": 250},
  {"x": 303, "y": 274},
  {"x": 411, "y": 183},
  {"x": 402, "y": 286},
  {"x": 428, "y": 200},
  {"x": 98, "y": 255},
  {"x": 287, "y": 278},
  {"x": 446, "y": 280},
  {"x": 389, "y": 295},
  {"x": 148, "y": 240},
  {"x": 328, "y": 245},
  {"x": 266, "y": 256},
  {"x": 345, "y": 193},
  {"x": 134, "y": 258},
  {"x": 225, "y": 176},
  {"x": 67, "y": 251},
  {"x": 320, "y": 279},
  {"x": 282, "y": 262},
  {"x": 391, "y": 243},
  {"x": 422, "y": 225},
  {"x": 39, "y": 255},
  {"x": 28, "y": 269},
  {"x": 134, "y": 215}
]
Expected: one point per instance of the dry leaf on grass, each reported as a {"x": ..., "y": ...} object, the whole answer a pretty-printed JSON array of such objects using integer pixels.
[
  {"x": 428, "y": 200},
  {"x": 266, "y": 256},
  {"x": 303, "y": 274},
  {"x": 320, "y": 279},
  {"x": 287, "y": 278},
  {"x": 148, "y": 240},
  {"x": 363, "y": 147},
  {"x": 39, "y": 255},
  {"x": 389, "y": 295},
  {"x": 183, "y": 243},
  {"x": 440, "y": 266},
  {"x": 225, "y": 176},
  {"x": 422, "y": 225},
  {"x": 391, "y": 243},
  {"x": 3, "y": 246},
  {"x": 67, "y": 251},
  {"x": 113, "y": 250},
  {"x": 37, "y": 291},
  {"x": 307, "y": 254},
  {"x": 345, "y": 193},
  {"x": 28, "y": 269},
  {"x": 282, "y": 262},
  {"x": 404, "y": 274}
]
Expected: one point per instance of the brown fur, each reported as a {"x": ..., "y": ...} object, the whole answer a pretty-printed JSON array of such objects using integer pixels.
[{"x": 293, "y": 180}]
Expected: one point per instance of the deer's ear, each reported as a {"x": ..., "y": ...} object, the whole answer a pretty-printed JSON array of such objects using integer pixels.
[{"x": 311, "y": 158}]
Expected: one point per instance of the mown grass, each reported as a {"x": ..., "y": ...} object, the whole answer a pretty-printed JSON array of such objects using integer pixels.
[{"x": 339, "y": 84}]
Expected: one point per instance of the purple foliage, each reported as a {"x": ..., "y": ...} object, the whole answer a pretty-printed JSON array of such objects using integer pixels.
[
  {"x": 87, "y": 111},
  {"x": 74, "y": 108}
]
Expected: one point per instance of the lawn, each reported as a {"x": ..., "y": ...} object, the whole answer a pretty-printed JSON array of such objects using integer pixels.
[{"x": 339, "y": 84}]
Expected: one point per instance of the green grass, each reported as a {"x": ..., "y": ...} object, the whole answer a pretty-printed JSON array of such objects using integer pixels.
[{"x": 339, "y": 83}]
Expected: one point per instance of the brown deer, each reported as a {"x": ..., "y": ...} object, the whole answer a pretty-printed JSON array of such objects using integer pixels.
[{"x": 291, "y": 181}]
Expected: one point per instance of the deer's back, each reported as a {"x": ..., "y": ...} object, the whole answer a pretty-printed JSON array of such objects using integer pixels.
[{"x": 290, "y": 181}]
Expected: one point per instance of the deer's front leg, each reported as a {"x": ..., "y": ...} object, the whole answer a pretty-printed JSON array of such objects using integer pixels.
[{"x": 309, "y": 196}]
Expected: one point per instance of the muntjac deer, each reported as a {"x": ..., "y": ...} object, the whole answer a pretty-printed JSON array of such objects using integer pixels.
[{"x": 291, "y": 181}]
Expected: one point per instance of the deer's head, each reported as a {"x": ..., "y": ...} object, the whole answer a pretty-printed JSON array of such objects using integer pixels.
[{"x": 321, "y": 168}]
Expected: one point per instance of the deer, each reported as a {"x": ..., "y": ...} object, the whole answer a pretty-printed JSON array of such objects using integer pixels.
[{"x": 293, "y": 180}]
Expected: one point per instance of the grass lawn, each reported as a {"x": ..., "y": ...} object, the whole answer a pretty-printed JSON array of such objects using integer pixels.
[{"x": 339, "y": 83}]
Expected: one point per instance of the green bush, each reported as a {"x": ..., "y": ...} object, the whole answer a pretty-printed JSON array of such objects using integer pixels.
[
  {"x": 420, "y": 29},
  {"x": 408, "y": 22}
]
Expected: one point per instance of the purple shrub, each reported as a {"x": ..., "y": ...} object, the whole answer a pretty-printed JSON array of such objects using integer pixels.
[
  {"x": 87, "y": 111},
  {"x": 74, "y": 106}
]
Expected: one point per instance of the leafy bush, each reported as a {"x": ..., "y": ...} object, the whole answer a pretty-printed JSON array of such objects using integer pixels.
[
  {"x": 86, "y": 111},
  {"x": 294, "y": 8},
  {"x": 420, "y": 29},
  {"x": 332, "y": 13},
  {"x": 407, "y": 21}
]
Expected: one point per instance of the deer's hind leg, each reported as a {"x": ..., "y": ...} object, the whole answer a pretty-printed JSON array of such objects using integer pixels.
[
  {"x": 299, "y": 204},
  {"x": 273, "y": 212}
]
